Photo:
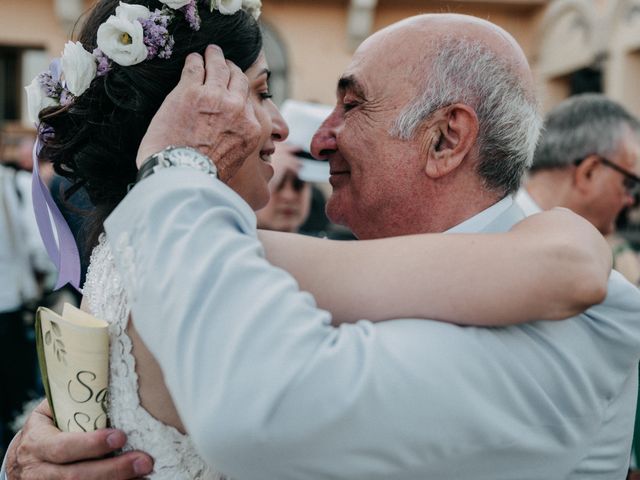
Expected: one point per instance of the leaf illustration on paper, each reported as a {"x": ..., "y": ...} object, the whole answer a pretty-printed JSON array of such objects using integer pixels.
[
  {"x": 56, "y": 329},
  {"x": 59, "y": 349}
]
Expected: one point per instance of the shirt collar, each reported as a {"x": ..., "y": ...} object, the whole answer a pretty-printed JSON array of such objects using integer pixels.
[
  {"x": 478, "y": 222},
  {"x": 526, "y": 202}
]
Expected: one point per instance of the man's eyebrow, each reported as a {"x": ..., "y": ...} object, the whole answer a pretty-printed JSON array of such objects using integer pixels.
[{"x": 349, "y": 82}]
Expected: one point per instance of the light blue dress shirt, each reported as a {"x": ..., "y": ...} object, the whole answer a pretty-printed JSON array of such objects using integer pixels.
[
  {"x": 526, "y": 203},
  {"x": 269, "y": 390}
]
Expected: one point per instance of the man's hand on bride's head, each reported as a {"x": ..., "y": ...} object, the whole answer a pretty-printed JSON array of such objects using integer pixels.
[
  {"x": 209, "y": 110},
  {"x": 40, "y": 451}
]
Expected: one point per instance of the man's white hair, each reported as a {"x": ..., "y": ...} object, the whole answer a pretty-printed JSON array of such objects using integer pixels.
[{"x": 464, "y": 71}]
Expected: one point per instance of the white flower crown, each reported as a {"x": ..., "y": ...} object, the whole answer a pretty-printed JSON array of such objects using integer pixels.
[{"x": 131, "y": 36}]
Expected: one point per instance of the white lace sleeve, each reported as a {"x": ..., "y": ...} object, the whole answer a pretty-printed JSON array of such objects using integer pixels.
[{"x": 174, "y": 455}]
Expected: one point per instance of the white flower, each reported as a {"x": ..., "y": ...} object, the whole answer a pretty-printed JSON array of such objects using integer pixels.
[
  {"x": 226, "y": 7},
  {"x": 176, "y": 4},
  {"x": 122, "y": 40},
  {"x": 78, "y": 67},
  {"x": 37, "y": 100},
  {"x": 132, "y": 12},
  {"x": 252, "y": 7}
]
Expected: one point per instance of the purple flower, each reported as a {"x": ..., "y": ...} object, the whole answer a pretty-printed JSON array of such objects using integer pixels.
[
  {"x": 191, "y": 14},
  {"x": 49, "y": 85},
  {"x": 156, "y": 35},
  {"x": 104, "y": 64},
  {"x": 168, "y": 49},
  {"x": 45, "y": 133}
]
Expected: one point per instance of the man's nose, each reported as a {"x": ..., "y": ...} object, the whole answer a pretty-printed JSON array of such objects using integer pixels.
[{"x": 324, "y": 142}]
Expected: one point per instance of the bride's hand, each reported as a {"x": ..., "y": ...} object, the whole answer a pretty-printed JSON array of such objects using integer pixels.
[
  {"x": 40, "y": 451},
  {"x": 209, "y": 110}
]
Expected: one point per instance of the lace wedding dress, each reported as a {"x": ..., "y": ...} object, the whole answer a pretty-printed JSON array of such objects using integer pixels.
[{"x": 174, "y": 456}]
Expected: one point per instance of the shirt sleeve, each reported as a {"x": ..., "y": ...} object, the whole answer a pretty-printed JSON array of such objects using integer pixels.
[{"x": 268, "y": 389}]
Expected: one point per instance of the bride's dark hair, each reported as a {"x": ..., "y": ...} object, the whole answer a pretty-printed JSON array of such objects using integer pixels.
[{"x": 94, "y": 141}]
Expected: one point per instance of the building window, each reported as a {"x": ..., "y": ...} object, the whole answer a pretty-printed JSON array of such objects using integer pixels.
[
  {"x": 630, "y": 77},
  {"x": 585, "y": 80},
  {"x": 9, "y": 84},
  {"x": 18, "y": 66}
]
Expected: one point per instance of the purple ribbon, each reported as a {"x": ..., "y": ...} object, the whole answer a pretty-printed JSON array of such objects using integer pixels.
[{"x": 63, "y": 253}]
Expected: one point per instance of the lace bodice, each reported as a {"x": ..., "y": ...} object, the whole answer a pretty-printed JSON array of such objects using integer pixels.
[{"x": 173, "y": 453}]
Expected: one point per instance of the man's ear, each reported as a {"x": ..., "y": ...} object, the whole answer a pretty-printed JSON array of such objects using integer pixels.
[
  {"x": 452, "y": 133},
  {"x": 584, "y": 174}
]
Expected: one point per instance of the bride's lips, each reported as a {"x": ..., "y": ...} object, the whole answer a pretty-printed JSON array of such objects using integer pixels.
[{"x": 265, "y": 155}]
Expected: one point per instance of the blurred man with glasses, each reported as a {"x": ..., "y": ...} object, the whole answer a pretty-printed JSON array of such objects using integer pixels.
[{"x": 587, "y": 160}]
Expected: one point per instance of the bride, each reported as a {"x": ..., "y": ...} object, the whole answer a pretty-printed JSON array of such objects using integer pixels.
[{"x": 93, "y": 116}]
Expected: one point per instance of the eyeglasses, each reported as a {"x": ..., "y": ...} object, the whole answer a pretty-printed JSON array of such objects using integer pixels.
[{"x": 631, "y": 181}]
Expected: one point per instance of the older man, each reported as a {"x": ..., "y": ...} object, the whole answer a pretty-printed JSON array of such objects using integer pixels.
[
  {"x": 588, "y": 160},
  {"x": 430, "y": 133}
]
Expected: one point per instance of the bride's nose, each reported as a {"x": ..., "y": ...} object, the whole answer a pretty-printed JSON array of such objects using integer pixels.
[{"x": 280, "y": 130}]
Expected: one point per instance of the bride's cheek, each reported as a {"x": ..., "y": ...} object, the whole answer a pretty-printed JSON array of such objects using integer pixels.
[{"x": 264, "y": 118}]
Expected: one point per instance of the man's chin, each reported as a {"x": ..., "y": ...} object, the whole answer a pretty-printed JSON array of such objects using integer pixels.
[{"x": 335, "y": 210}]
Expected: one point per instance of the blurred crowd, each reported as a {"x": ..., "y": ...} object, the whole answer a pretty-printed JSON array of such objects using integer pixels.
[{"x": 27, "y": 274}]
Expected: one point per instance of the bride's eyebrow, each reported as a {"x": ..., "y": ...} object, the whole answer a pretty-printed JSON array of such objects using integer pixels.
[{"x": 264, "y": 71}]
